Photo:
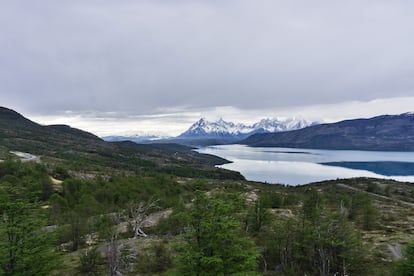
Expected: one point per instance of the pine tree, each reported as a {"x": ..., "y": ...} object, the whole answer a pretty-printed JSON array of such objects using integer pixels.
[
  {"x": 25, "y": 249},
  {"x": 406, "y": 266},
  {"x": 215, "y": 244}
]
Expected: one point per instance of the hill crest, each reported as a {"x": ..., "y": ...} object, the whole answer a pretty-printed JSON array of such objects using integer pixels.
[{"x": 385, "y": 132}]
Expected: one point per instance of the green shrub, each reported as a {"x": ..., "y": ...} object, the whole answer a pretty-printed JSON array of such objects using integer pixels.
[{"x": 89, "y": 260}]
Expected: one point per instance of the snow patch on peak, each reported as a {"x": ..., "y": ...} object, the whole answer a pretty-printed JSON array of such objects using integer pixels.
[{"x": 229, "y": 130}]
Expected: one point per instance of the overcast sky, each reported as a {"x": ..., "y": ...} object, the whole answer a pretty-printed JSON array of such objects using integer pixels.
[{"x": 157, "y": 65}]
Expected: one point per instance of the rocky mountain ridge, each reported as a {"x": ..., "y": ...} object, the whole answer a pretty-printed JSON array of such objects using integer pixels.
[
  {"x": 221, "y": 129},
  {"x": 383, "y": 133}
]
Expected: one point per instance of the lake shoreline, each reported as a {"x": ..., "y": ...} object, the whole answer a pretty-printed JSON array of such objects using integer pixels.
[{"x": 293, "y": 166}]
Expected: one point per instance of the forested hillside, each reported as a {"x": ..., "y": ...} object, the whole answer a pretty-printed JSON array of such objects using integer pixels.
[
  {"x": 73, "y": 204},
  {"x": 57, "y": 224}
]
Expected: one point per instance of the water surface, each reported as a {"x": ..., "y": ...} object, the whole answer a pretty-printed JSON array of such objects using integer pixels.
[{"x": 300, "y": 166}]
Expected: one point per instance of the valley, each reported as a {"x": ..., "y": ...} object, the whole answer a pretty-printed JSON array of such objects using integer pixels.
[
  {"x": 77, "y": 205},
  {"x": 206, "y": 138}
]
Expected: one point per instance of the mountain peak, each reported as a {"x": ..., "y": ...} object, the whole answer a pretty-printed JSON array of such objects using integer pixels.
[{"x": 221, "y": 129}]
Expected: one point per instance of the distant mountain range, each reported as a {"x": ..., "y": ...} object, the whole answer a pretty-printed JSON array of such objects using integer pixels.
[
  {"x": 220, "y": 131},
  {"x": 385, "y": 133}
]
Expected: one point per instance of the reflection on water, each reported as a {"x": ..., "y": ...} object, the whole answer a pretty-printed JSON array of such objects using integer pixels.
[
  {"x": 382, "y": 167},
  {"x": 301, "y": 166}
]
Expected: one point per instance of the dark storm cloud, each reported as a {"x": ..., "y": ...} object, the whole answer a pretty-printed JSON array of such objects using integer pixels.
[{"x": 143, "y": 56}]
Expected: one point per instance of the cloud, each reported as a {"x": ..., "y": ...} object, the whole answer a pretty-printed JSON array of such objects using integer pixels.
[
  {"x": 143, "y": 57},
  {"x": 172, "y": 122}
]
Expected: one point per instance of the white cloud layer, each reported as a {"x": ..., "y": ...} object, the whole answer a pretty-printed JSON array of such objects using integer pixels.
[{"x": 182, "y": 59}]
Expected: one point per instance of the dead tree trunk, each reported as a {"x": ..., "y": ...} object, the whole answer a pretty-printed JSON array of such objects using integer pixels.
[
  {"x": 137, "y": 214},
  {"x": 113, "y": 257}
]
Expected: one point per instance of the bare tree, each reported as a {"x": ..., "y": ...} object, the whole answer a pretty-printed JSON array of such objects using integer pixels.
[
  {"x": 112, "y": 248},
  {"x": 119, "y": 256},
  {"x": 112, "y": 256},
  {"x": 138, "y": 213}
]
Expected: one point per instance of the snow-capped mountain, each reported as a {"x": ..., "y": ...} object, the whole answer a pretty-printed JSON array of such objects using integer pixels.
[
  {"x": 203, "y": 129},
  {"x": 278, "y": 125}
]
